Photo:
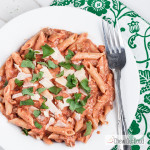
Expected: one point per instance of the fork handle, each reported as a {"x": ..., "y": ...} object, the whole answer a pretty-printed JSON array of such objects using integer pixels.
[{"x": 122, "y": 130}]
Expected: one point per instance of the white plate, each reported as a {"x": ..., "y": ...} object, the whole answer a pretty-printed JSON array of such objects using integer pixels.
[{"x": 17, "y": 31}]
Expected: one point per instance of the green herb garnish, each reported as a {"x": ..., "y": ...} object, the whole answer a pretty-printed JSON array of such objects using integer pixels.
[
  {"x": 28, "y": 91},
  {"x": 27, "y": 63},
  {"x": 37, "y": 125},
  {"x": 47, "y": 50},
  {"x": 52, "y": 65},
  {"x": 6, "y": 83},
  {"x": 40, "y": 90},
  {"x": 55, "y": 90},
  {"x": 18, "y": 82},
  {"x": 88, "y": 128},
  {"x": 37, "y": 77},
  {"x": 59, "y": 97},
  {"x": 84, "y": 85},
  {"x": 77, "y": 67},
  {"x": 26, "y": 131},
  {"x": 27, "y": 102},
  {"x": 65, "y": 65},
  {"x": 69, "y": 56},
  {"x": 43, "y": 106},
  {"x": 36, "y": 113},
  {"x": 30, "y": 55},
  {"x": 84, "y": 101},
  {"x": 43, "y": 63},
  {"x": 71, "y": 81},
  {"x": 60, "y": 74}
]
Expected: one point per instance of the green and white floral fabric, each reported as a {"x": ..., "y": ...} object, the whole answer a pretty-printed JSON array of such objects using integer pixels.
[{"x": 136, "y": 31}]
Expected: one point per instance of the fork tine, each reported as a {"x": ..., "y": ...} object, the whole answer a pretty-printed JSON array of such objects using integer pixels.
[
  {"x": 112, "y": 37},
  {"x": 105, "y": 37},
  {"x": 120, "y": 40}
]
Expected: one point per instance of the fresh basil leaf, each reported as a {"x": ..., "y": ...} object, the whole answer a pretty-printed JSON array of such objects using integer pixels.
[
  {"x": 71, "y": 81},
  {"x": 84, "y": 85},
  {"x": 80, "y": 110},
  {"x": 77, "y": 67},
  {"x": 77, "y": 96},
  {"x": 27, "y": 63},
  {"x": 43, "y": 106},
  {"x": 65, "y": 65},
  {"x": 74, "y": 105},
  {"x": 69, "y": 56},
  {"x": 88, "y": 128},
  {"x": 60, "y": 74},
  {"x": 30, "y": 55},
  {"x": 37, "y": 125},
  {"x": 47, "y": 50},
  {"x": 18, "y": 82},
  {"x": 59, "y": 97},
  {"x": 52, "y": 65},
  {"x": 40, "y": 90},
  {"x": 43, "y": 63},
  {"x": 45, "y": 99},
  {"x": 36, "y": 113},
  {"x": 37, "y": 77},
  {"x": 55, "y": 90},
  {"x": 27, "y": 102},
  {"x": 26, "y": 131},
  {"x": 28, "y": 91},
  {"x": 84, "y": 101},
  {"x": 6, "y": 83}
]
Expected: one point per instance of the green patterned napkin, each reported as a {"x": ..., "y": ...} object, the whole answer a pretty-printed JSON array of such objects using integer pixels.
[{"x": 136, "y": 31}]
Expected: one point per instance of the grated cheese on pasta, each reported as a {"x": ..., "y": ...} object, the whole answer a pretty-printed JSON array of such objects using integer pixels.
[
  {"x": 57, "y": 55},
  {"x": 61, "y": 81},
  {"x": 46, "y": 83},
  {"x": 17, "y": 95},
  {"x": 80, "y": 74},
  {"x": 22, "y": 76}
]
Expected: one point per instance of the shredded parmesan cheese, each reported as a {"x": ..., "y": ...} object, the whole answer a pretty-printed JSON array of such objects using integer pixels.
[
  {"x": 51, "y": 121},
  {"x": 80, "y": 74},
  {"x": 46, "y": 113},
  {"x": 22, "y": 76},
  {"x": 77, "y": 116},
  {"x": 57, "y": 55},
  {"x": 17, "y": 95},
  {"x": 59, "y": 123},
  {"x": 47, "y": 73},
  {"x": 46, "y": 83},
  {"x": 73, "y": 90},
  {"x": 35, "y": 97},
  {"x": 63, "y": 105},
  {"x": 17, "y": 67},
  {"x": 29, "y": 84},
  {"x": 61, "y": 81},
  {"x": 52, "y": 107},
  {"x": 67, "y": 72}
]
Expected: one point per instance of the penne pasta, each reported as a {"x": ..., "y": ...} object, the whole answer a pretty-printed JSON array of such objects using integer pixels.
[
  {"x": 67, "y": 42},
  {"x": 62, "y": 131},
  {"x": 20, "y": 123},
  {"x": 94, "y": 74},
  {"x": 40, "y": 41},
  {"x": 25, "y": 115},
  {"x": 30, "y": 43},
  {"x": 88, "y": 56}
]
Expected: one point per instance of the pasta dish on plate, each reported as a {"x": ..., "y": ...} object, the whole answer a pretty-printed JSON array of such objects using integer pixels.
[{"x": 57, "y": 87}]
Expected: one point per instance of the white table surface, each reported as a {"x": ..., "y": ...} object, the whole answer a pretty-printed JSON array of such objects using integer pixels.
[{"x": 12, "y": 8}]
